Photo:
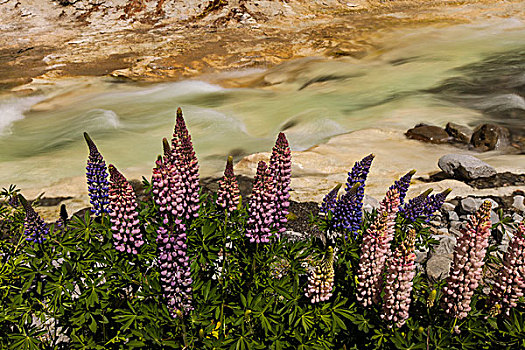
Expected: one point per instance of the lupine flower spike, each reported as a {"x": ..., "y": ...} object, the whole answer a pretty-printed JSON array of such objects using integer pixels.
[
  {"x": 168, "y": 193},
  {"x": 415, "y": 206},
  {"x": 402, "y": 185},
  {"x": 509, "y": 284},
  {"x": 261, "y": 207},
  {"x": 185, "y": 161},
  {"x": 435, "y": 202},
  {"x": 375, "y": 250},
  {"x": 330, "y": 201},
  {"x": 175, "y": 273},
  {"x": 398, "y": 283},
  {"x": 466, "y": 269},
  {"x": 97, "y": 179},
  {"x": 228, "y": 194},
  {"x": 281, "y": 169},
  {"x": 344, "y": 211},
  {"x": 35, "y": 228},
  {"x": 321, "y": 279},
  {"x": 124, "y": 215},
  {"x": 350, "y": 218}
]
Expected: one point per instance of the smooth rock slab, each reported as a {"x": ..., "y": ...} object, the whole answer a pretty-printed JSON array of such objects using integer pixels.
[{"x": 465, "y": 167}]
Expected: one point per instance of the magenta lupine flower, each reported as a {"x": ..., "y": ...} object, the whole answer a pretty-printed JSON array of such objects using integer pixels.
[
  {"x": 321, "y": 279},
  {"x": 349, "y": 209},
  {"x": 281, "y": 169},
  {"x": 35, "y": 228},
  {"x": 175, "y": 271},
  {"x": 123, "y": 215},
  {"x": 228, "y": 194},
  {"x": 402, "y": 185},
  {"x": 466, "y": 270},
  {"x": 509, "y": 283},
  {"x": 261, "y": 207},
  {"x": 168, "y": 193},
  {"x": 97, "y": 179},
  {"x": 183, "y": 158},
  {"x": 398, "y": 283},
  {"x": 375, "y": 250}
]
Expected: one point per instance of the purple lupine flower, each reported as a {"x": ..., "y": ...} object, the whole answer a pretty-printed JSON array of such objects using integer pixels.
[
  {"x": 35, "y": 228},
  {"x": 261, "y": 207},
  {"x": 168, "y": 193},
  {"x": 344, "y": 212},
  {"x": 97, "y": 179},
  {"x": 281, "y": 169},
  {"x": 435, "y": 202},
  {"x": 175, "y": 271},
  {"x": 351, "y": 215},
  {"x": 321, "y": 279},
  {"x": 415, "y": 206},
  {"x": 402, "y": 185},
  {"x": 509, "y": 283},
  {"x": 398, "y": 284},
  {"x": 123, "y": 214},
  {"x": 183, "y": 158},
  {"x": 330, "y": 201},
  {"x": 375, "y": 250},
  {"x": 228, "y": 194},
  {"x": 467, "y": 267}
]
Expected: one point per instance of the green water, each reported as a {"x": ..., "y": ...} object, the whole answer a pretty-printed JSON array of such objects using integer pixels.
[{"x": 432, "y": 75}]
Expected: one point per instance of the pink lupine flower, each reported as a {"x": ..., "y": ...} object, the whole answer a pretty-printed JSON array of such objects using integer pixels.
[
  {"x": 509, "y": 283},
  {"x": 228, "y": 194},
  {"x": 175, "y": 272},
  {"x": 375, "y": 250},
  {"x": 281, "y": 169},
  {"x": 466, "y": 270},
  {"x": 261, "y": 207},
  {"x": 321, "y": 279},
  {"x": 123, "y": 214},
  {"x": 398, "y": 283},
  {"x": 184, "y": 160}
]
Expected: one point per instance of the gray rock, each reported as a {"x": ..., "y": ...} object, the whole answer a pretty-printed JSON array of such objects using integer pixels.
[
  {"x": 469, "y": 205},
  {"x": 519, "y": 203},
  {"x": 457, "y": 233},
  {"x": 420, "y": 256},
  {"x": 446, "y": 244},
  {"x": 452, "y": 216},
  {"x": 494, "y": 217},
  {"x": 465, "y": 167},
  {"x": 460, "y": 133},
  {"x": 517, "y": 217},
  {"x": 438, "y": 266},
  {"x": 448, "y": 207},
  {"x": 456, "y": 225}
]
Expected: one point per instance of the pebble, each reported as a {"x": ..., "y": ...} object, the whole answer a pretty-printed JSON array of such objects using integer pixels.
[
  {"x": 448, "y": 207},
  {"x": 469, "y": 205},
  {"x": 517, "y": 217},
  {"x": 452, "y": 215}
]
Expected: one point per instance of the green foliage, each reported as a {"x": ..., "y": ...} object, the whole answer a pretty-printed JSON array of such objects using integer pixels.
[{"x": 76, "y": 291}]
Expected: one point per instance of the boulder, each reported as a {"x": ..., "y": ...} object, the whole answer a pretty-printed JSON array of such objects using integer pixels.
[
  {"x": 465, "y": 167},
  {"x": 428, "y": 133},
  {"x": 459, "y": 133},
  {"x": 490, "y": 136}
]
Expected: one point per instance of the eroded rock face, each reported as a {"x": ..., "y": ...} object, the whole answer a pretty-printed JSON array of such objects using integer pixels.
[
  {"x": 459, "y": 133},
  {"x": 465, "y": 167},
  {"x": 428, "y": 133},
  {"x": 488, "y": 137}
]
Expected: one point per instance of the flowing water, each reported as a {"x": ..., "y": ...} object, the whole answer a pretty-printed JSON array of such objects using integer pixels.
[{"x": 464, "y": 73}]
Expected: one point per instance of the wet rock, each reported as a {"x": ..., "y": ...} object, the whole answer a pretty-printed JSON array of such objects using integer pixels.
[
  {"x": 465, "y": 167},
  {"x": 518, "y": 203},
  {"x": 499, "y": 180},
  {"x": 428, "y": 133},
  {"x": 438, "y": 267},
  {"x": 459, "y": 133},
  {"x": 490, "y": 136}
]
